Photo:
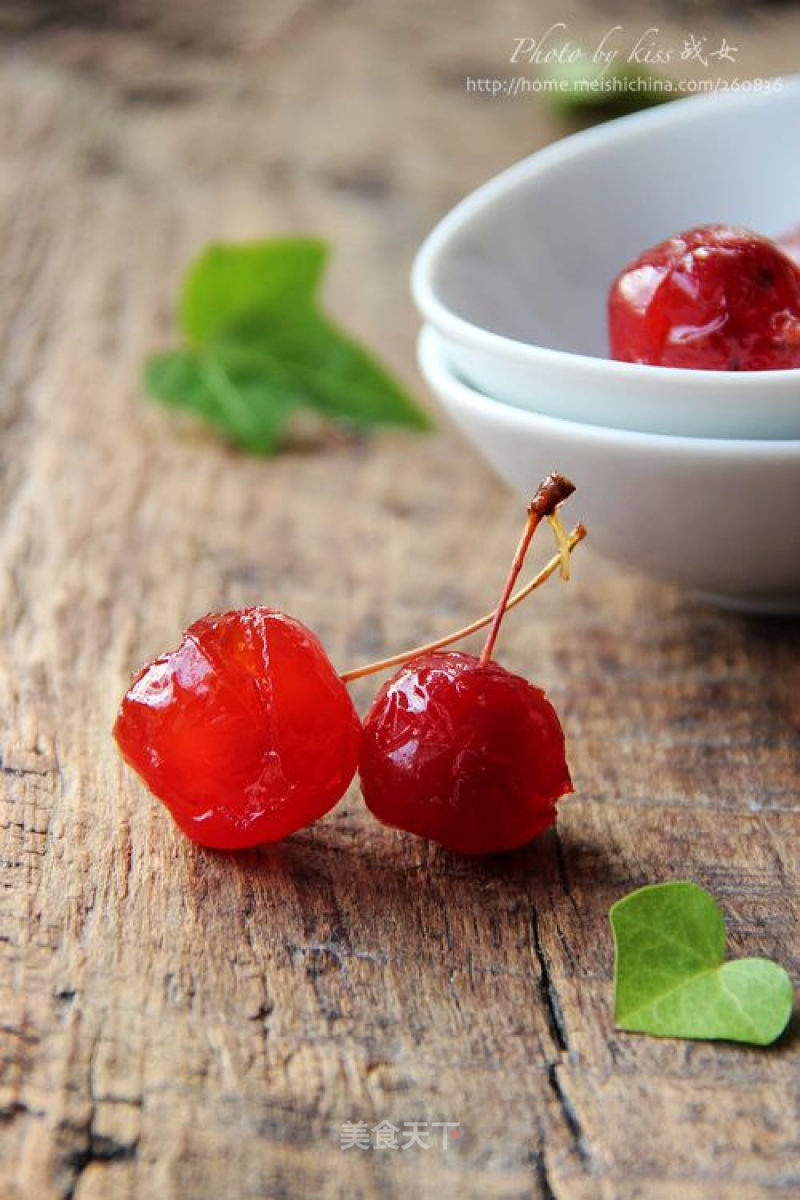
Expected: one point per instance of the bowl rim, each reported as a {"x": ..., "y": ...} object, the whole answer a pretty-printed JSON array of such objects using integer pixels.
[
  {"x": 626, "y": 128},
  {"x": 439, "y": 375}
]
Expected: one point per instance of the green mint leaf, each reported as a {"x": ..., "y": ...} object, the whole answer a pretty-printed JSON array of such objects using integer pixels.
[
  {"x": 670, "y": 977},
  {"x": 333, "y": 373},
  {"x": 227, "y": 282},
  {"x": 230, "y": 388},
  {"x": 259, "y": 348},
  {"x": 591, "y": 89}
]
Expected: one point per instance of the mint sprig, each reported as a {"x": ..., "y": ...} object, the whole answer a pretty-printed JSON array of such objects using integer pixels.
[
  {"x": 671, "y": 978},
  {"x": 258, "y": 347},
  {"x": 585, "y": 88}
]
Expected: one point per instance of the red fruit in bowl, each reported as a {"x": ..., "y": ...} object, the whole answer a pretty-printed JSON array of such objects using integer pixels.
[
  {"x": 713, "y": 298},
  {"x": 464, "y": 753},
  {"x": 245, "y": 732}
]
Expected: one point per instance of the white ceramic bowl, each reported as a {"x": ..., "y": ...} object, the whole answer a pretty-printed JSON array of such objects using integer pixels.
[
  {"x": 516, "y": 276},
  {"x": 719, "y": 516}
]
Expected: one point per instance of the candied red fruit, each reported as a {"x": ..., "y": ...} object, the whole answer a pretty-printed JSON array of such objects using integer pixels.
[
  {"x": 245, "y": 732},
  {"x": 713, "y": 298},
  {"x": 465, "y": 753}
]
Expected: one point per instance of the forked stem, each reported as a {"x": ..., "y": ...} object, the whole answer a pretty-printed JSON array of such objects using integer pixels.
[
  {"x": 491, "y": 618},
  {"x": 547, "y": 499}
]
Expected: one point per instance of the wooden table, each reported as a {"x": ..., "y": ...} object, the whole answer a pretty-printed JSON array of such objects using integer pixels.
[{"x": 176, "y": 1023}]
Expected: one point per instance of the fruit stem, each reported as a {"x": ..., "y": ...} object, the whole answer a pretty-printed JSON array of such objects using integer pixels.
[
  {"x": 577, "y": 535},
  {"x": 560, "y": 534},
  {"x": 549, "y": 495}
]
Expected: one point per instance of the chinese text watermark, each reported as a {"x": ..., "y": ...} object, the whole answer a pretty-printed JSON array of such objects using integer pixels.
[
  {"x": 409, "y": 1135},
  {"x": 620, "y": 62}
]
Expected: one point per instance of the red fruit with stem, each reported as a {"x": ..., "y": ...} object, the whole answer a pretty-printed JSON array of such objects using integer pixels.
[
  {"x": 714, "y": 298},
  {"x": 459, "y": 750},
  {"x": 245, "y": 732}
]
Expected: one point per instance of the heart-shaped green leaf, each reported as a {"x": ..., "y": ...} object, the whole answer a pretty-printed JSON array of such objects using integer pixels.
[{"x": 670, "y": 977}]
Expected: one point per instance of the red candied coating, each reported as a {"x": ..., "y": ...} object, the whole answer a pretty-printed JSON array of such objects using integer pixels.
[
  {"x": 245, "y": 732},
  {"x": 464, "y": 753}
]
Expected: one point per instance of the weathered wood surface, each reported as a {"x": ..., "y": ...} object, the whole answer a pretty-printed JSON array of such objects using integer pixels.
[{"x": 176, "y": 1023}]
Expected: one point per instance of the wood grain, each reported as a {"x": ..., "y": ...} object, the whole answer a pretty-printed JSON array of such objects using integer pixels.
[{"x": 175, "y": 1023}]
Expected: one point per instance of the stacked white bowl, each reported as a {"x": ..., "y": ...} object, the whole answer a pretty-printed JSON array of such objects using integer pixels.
[{"x": 690, "y": 476}]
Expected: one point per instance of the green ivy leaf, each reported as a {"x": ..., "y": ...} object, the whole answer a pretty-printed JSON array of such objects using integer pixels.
[
  {"x": 259, "y": 348},
  {"x": 670, "y": 977}
]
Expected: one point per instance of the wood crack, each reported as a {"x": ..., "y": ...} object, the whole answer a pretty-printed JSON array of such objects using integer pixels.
[
  {"x": 18, "y": 1108},
  {"x": 22, "y": 772},
  {"x": 560, "y": 1034},
  {"x": 539, "y": 1163},
  {"x": 98, "y": 1148},
  {"x": 555, "y": 1016},
  {"x": 570, "y": 1115},
  {"x": 563, "y": 873},
  {"x": 91, "y": 1146}
]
